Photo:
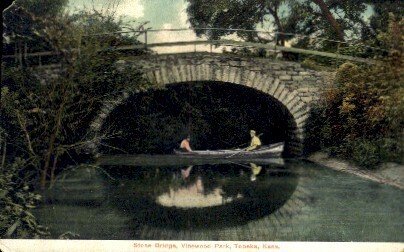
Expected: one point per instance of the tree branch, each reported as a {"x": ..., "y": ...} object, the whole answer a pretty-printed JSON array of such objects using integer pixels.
[
  {"x": 22, "y": 123},
  {"x": 328, "y": 15}
]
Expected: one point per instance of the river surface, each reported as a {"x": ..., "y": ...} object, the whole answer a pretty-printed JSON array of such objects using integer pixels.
[{"x": 161, "y": 198}]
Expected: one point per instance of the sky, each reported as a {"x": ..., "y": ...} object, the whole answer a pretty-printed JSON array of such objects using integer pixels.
[{"x": 161, "y": 14}]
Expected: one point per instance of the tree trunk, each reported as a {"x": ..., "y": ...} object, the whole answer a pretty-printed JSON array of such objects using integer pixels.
[
  {"x": 281, "y": 36},
  {"x": 20, "y": 53},
  {"x": 52, "y": 178},
  {"x": 328, "y": 15},
  {"x": 48, "y": 156},
  {"x": 52, "y": 143},
  {"x": 3, "y": 159}
]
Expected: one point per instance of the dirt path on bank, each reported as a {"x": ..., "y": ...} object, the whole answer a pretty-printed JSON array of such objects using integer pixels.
[{"x": 388, "y": 173}]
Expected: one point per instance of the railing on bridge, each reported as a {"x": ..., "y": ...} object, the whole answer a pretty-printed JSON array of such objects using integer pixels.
[{"x": 162, "y": 41}]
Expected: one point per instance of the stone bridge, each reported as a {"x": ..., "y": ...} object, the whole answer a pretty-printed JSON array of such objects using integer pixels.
[{"x": 293, "y": 86}]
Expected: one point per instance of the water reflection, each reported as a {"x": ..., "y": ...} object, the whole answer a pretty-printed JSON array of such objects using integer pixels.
[
  {"x": 193, "y": 194},
  {"x": 255, "y": 170},
  {"x": 200, "y": 196},
  {"x": 280, "y": 204}
]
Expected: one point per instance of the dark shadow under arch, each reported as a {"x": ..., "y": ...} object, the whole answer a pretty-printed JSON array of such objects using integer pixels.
[{"x": 216, "y": 114}]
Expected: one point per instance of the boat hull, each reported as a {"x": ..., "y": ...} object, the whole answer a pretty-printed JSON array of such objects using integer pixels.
[{"x": 268, "y": 151}]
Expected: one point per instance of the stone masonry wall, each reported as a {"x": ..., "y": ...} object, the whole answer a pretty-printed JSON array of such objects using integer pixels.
[{"x": 295, "y": 87}]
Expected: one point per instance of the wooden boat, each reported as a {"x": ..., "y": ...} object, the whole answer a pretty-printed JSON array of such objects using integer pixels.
[{"x": 266, "y": 151}]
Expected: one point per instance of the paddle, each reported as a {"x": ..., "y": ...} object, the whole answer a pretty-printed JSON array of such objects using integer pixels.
[
  {"x": 259, "y": 135},
  {"x": 242, "y": 149},
  {"x": 237, "y": 153}
]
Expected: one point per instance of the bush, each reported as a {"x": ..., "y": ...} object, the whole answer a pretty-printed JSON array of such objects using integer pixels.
[
  {"x": 16, "y": 202},
  {"x": 366, "y": 153},
  {"x": 362, "y": 116}
]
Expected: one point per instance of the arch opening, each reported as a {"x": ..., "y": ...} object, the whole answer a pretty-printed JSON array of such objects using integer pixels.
[{"x": 217, "y": 115}]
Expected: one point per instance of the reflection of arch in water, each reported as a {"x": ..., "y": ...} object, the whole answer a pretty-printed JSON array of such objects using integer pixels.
[
  {"x": 193, "y": 196},
  {"x": 266, "y": 195},
  {"x": 266, "y": 228}
]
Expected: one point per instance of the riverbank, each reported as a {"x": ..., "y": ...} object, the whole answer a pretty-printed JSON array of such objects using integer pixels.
[{"x": 388, "y": 173}]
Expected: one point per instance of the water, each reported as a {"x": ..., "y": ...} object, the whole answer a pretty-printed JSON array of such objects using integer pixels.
[{"x": 165, "y": 199}]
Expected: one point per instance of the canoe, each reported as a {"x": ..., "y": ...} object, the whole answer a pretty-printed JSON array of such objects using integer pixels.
[
  {"x": 266, "y": 151},
  {"x": 134, "y": 161}
]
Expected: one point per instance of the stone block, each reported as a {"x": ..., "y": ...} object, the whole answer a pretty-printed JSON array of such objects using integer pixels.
[
  {"x": 165, "y": 76},
  {"x": 280, "y": 73},
  {"x": 274, "y": 86},
  {"x": 286, "y": 99},
  {"x": 198, "y": 71},
  {"x": 307, "y": 99},
  {"x": 303, "y": 89},
  {"x": 250, "y": 79},
  {"x": 283, "y": 94},
  {"x": 217, "y": 76},
  {"x": 285, "y": 77},
  {"x": 259, "y": 82},
  {"x": 188, "y": 73},
  {"x": 267, "y": 82},
  {"x": 182, "y": 73},
  {"x": 279, "y": 90},
  {"x": 226, "y": 72},
  {"x": 157, "y": 76},
  {"x": 193, "y": 72},
  {"x": 238, "y": 75},
  {"x": 293, "y": 103},
  {"x": 176, "y": 74},
  {"x": 150, "y": 77}
]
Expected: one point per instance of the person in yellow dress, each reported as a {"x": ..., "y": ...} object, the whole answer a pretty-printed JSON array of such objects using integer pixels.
[{"x": 255, "y": 141}]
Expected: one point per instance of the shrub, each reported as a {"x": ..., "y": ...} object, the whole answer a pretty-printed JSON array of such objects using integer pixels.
[
  {"x": 362, "y": 116},
  {"x": 366, "y": 153},
  {"x": 16, "y": 202}
]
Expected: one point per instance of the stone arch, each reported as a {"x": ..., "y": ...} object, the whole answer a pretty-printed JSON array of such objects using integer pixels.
[{"x": 270, "y": 79}]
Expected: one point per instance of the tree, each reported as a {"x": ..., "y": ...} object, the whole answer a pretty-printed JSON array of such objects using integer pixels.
[
  {"x": 329, "y": 19},
  {"x": 48, "y": 117},
  {"x": 379, "y": 18},
  {"x": 18, "y": 27},
  {"x": 362, "y": 116},
  {"x": 235, "y": 14}
]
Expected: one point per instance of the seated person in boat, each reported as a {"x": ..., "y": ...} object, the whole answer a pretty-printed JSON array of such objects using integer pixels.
[
  {"x": 185, "y": 146},
  {"x": 255, "y": 141}
]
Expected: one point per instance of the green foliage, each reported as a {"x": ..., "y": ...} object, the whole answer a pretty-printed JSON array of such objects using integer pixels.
[
  {"x": 249, "y": 52},
  {"x": 315, "y": 63},
  {"x": 362, "y": 117},
  {"x": 299, "y": 17},
  {"x": 19, "y": 26},
  {"x": 366, "y": 153},
  {"x": 381, "y": 16},
  {"x": 16, "y": 203},
  {"x": 323, "y": 24},
  {"x": 47, "y": 116}
]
